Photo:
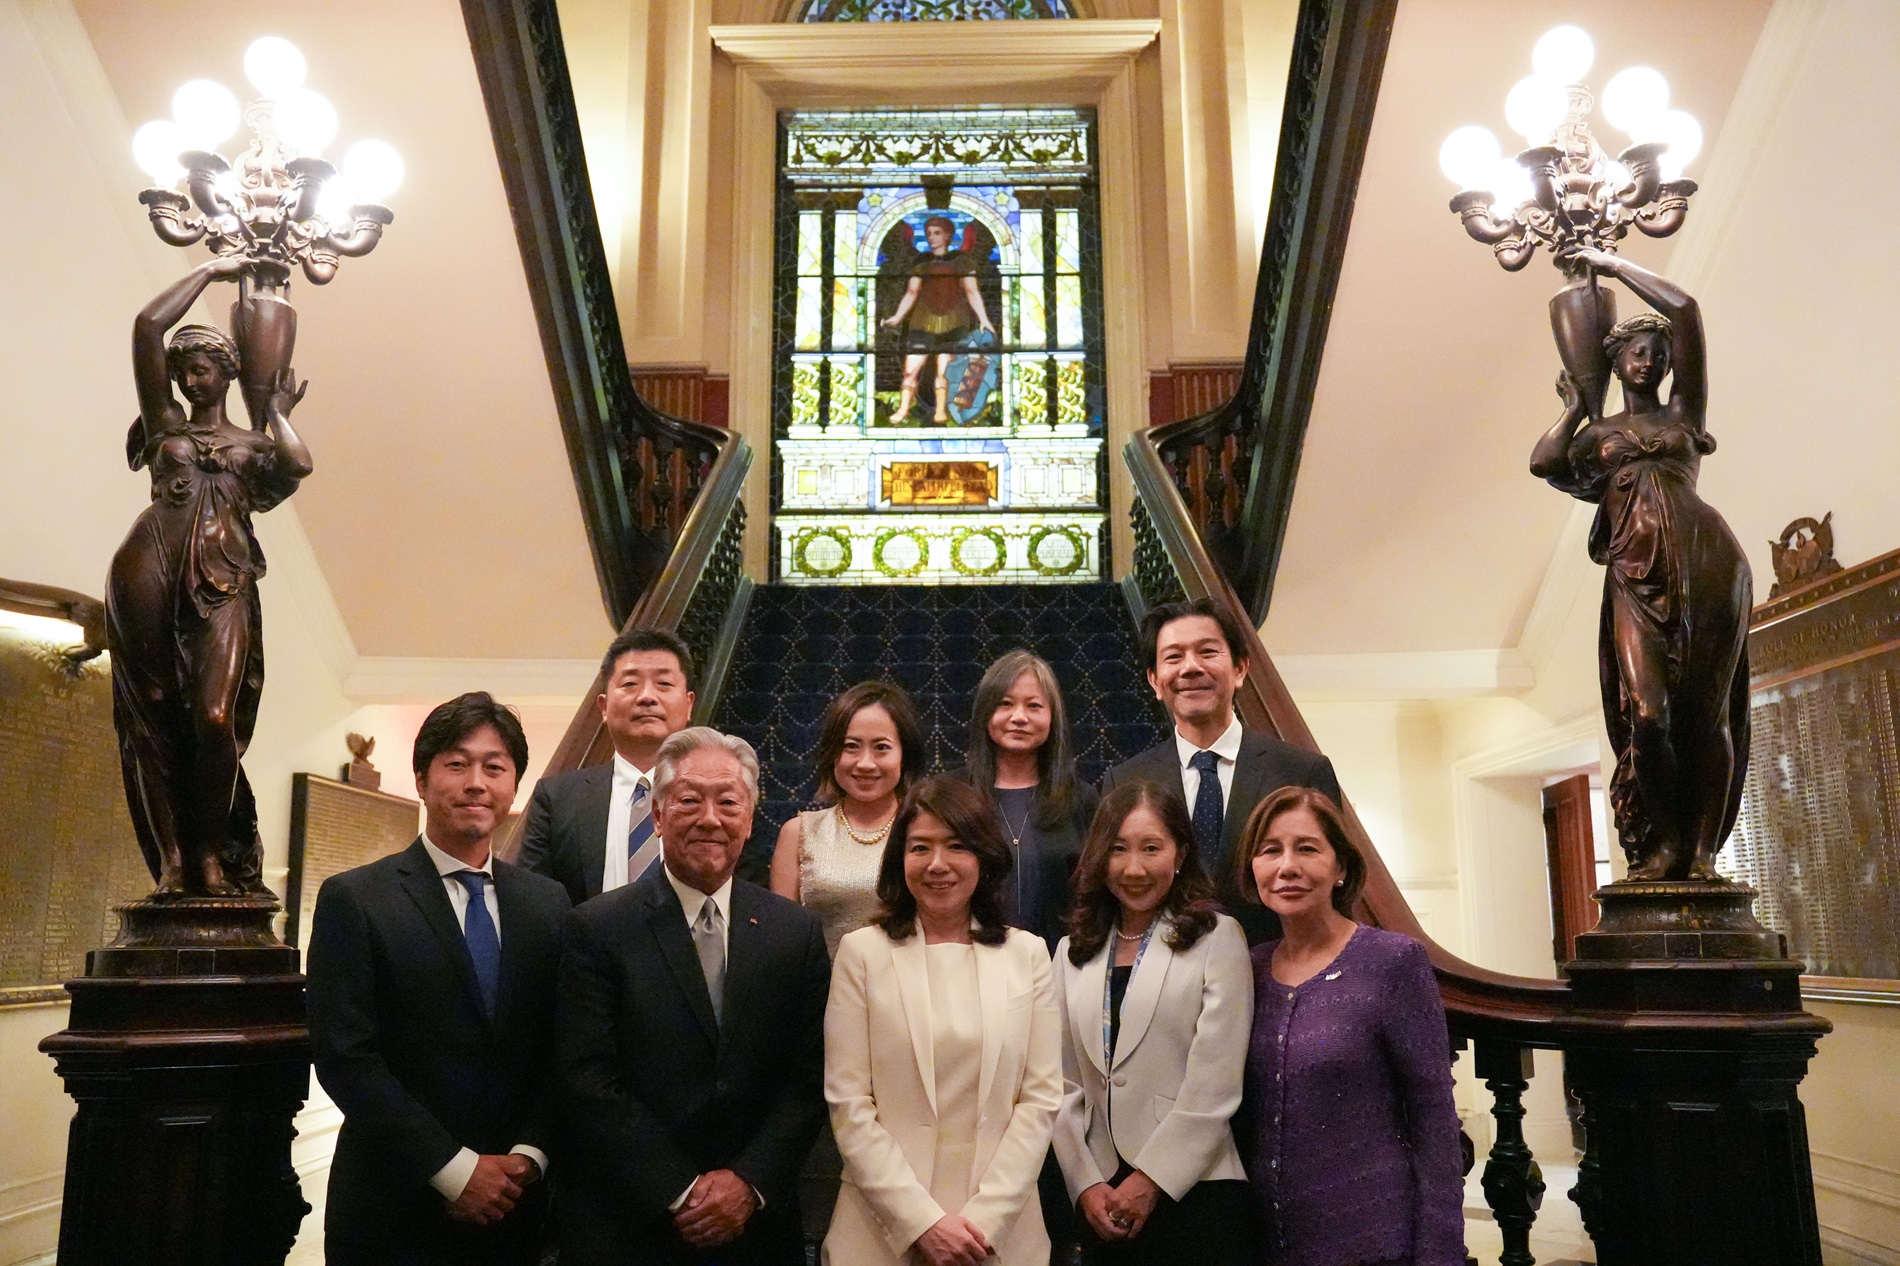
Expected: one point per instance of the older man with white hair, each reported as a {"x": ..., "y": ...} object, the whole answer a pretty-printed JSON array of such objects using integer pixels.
[{"x": 690, "y": 1040}]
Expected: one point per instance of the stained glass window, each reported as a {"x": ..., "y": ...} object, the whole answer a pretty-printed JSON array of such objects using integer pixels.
[
  {"x": 931, "y": 10},
  {"x": 937, "y": 343}
]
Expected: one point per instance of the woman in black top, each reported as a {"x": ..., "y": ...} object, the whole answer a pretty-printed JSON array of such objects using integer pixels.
[{"x": 1019, "y": 755}]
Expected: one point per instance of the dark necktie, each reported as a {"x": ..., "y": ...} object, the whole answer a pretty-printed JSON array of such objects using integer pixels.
[
  {"x": 484, "y": 942},
  {"x": 1208, "y": 812}
]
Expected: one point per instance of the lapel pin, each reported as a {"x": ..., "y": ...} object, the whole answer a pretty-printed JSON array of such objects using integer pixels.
[
  {"x": 753, "y": 922},
  {"x": 1332, "y": 975}
]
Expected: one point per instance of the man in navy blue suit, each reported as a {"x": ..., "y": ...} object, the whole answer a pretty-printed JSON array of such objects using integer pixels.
[{"x": 431, "y": 997}]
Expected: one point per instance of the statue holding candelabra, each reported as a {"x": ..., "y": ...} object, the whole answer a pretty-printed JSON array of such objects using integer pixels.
[
  {"x": 183, "y": 615},
  {"x": 1672, "y": 650}
]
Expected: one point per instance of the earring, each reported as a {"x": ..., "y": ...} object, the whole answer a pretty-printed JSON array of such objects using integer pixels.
[{"x": 1339, "y": 883}]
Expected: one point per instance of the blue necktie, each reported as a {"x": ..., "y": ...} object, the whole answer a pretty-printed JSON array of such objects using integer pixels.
[
  {"x": 643, "y": 846},
  {"x": 1208, "y": 812},
  {"x": 484, "y": 942}
]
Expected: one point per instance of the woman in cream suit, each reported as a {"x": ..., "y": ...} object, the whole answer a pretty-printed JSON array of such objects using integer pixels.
[
  {"x": 1157, "y": 1008},
  {"x": 942, "y": 1054}
]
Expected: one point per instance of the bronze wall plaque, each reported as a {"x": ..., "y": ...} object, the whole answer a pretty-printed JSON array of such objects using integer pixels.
[
  {"x": 335, "y": 827},
  {"x": 940, "y": 483},
  {"x": 67, "y": 854},
  {"x": 1819, "y": 834}
]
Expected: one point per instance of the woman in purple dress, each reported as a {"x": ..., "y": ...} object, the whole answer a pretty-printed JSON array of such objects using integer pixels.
[{"x": 1346, "y": 1125}]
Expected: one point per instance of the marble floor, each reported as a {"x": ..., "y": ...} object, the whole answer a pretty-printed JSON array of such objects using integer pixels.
[{"x": 1557, "y": 1238}]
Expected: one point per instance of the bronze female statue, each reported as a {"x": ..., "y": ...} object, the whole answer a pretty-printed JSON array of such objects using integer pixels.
[
  {"x": 182, "y": 612},
  {"x": 1672, "y": 654}
]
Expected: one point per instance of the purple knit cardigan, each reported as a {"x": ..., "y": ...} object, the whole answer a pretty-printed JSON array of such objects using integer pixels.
[{"x": 1347, "y": 1126}]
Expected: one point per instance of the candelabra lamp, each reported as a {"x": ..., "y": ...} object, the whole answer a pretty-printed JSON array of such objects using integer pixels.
[
  {"x": 1697, "y": 1143},
  {"x": 186, "y": 1049}
]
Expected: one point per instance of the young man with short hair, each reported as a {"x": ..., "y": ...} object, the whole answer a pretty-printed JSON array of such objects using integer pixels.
[{"x": 431, "y": 1003}]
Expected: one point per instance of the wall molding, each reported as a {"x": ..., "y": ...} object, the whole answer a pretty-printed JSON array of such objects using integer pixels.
[
  {"x": 1400, "y": 675},
  {"x": 417, "y": 679}
]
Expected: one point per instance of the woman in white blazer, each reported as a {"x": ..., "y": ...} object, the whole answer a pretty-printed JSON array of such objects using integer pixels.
[
  {"x": 942, "y": 1053},
  {"x": 1156, "y": 993}
]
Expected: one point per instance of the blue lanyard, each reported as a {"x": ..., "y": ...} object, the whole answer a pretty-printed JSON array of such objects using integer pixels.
[{"x": 1108, "y": 985}]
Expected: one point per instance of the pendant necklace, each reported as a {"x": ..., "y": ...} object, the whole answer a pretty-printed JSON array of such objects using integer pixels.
[
  {"x": 875, "y": 837},
  {"x": 1015, "y": 832}
]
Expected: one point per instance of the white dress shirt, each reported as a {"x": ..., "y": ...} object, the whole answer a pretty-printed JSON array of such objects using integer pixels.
[
  {"x": 627, "y": 775},
  {"x": 453, "y": 1177},
  {"x": 693, "y": 903},
  {"x": 1227, "y": 747}
]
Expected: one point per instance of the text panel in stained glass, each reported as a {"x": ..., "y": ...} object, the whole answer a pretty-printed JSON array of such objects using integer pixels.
[{"x": 939, "y": 283}]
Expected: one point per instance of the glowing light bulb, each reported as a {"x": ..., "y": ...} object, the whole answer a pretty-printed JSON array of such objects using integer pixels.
[
  {"x": 1469, "y": 156},
  {"x": 274, "y": 66},
  {"x": 156, "y": 147},
  {"x": 374, "y": 170},
  {"x": 1563, "y": 53},
  {"x": 305, "y": 121},
  {"x": 1684, "y": 134},
  {"x": 205, "y": 112},
  {"x": 1535, "y": 107},
  {"x": 1616, "y": 175},
  {"x": 1635, "y": 99},
  {"x": 334, "y": 203},
  {"x": 1510, "y": 187}
]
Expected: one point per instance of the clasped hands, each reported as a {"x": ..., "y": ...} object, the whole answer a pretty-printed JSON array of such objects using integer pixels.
[
  {"x": 493, "y": 1188},
  {"x": 952, "y": 1240},
  {"x": 1119, "y": 1213},
  {"x": 716, "y": 1209}
]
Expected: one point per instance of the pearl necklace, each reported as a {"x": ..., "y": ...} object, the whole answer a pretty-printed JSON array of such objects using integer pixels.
[
  {"x": 1130, "y": 936},
  {"x": 875, "y": 837}
]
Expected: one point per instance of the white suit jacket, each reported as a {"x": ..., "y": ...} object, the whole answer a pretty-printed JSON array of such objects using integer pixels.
[
  {"x": 881, "y": 1083},
  {"x": 1180, "y": 1057}
]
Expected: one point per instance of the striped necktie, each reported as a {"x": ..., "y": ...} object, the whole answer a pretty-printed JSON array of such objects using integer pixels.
[{"x": 643, "y": 846}]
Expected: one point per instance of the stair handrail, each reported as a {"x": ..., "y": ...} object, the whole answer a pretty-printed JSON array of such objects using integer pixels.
[{"x": 1172, "y": 563}]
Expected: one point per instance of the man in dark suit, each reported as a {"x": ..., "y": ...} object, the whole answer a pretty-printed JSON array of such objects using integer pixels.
[
  {"x": 690, "y": 1040},
  {"x": 431, "y": 982},
  {"x": 593, "y": 828},
  {"x": 1196, "y": 655}
]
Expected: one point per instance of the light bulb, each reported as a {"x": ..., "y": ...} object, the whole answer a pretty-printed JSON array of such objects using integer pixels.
[
  {"x": 1535, "y": 107},
  {"x": 1684, "y": 134},
  {"x": 1510, "y": 187},
  {"x": 1616, "y": 175},
  {"x": 374, "y": 169},
  {"x": 1563, "y": 53},
  {"x": 274, "y": 66},
  {"x": 1468, "y": 156},
  {"x": 156, "y": 147},
  {"x": 305, "y": 122},
  {"x": 1635, "y": 99},
  {"x": 334, "y": 203},
  {"x": 206, "y": 113}
]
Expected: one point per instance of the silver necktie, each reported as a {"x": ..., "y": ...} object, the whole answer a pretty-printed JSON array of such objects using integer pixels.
[{"x": 712, "y": 954}]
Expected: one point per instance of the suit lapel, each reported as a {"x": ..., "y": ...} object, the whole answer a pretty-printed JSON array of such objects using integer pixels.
[
  {"x": 992, "y": 988},
  {"x": 1144, "y": 993},
  {"x": 517, "y": 935},
  {"x": 1250, "y": 776},
  {"x": 590, "y": 824},
  {"x": 424, "y": 886},
  {"x": 745, "y": 960},
  {"x": 913, "y": 986},
  {"x": 1085, "y": 1004},
  {"x": 667, "y": 919}
]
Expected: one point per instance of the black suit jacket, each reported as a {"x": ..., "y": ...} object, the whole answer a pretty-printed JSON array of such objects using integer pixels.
[
  {"x": 564, "y": 833},
  {"x": 419, "y": 1070},
  {"x": 655, "y": 1093},
  {"x": 1264, "y": 765}
]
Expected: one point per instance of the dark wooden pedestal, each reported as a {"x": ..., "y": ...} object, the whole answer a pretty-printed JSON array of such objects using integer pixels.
[
  {"x": 188, "y": 1057},
  {"x": 1697, "y": 1142}
]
